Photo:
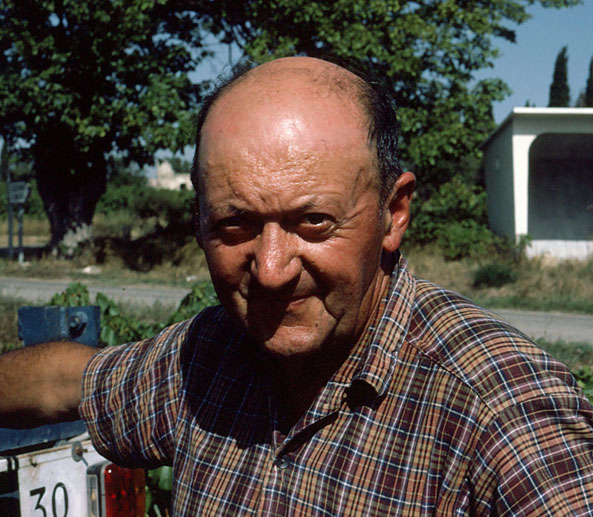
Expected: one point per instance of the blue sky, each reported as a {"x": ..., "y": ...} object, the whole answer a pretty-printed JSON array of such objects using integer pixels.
[{"x": 527, "y": 66}]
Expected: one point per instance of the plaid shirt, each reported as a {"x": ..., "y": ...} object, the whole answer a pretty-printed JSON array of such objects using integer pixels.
[{"x": 441, "y": 409}]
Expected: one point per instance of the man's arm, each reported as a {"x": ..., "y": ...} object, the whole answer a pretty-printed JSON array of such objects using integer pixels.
[
  {"x": 42, "y": 384},
  {"x": 536, "y": 459}
]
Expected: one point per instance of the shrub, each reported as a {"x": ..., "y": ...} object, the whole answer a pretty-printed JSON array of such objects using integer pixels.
[
  {"x": 118, "y": 198},
  {"x": 201, "y": 296},
  {"x": 584, "y": 376},
  {"x": 117, "y": 328},
  {"x": 455, "y": 218},
  {"x": 459, "y": 239},
  {"x": 494, "y": 275},
  {"x": 172, "y": 208}
]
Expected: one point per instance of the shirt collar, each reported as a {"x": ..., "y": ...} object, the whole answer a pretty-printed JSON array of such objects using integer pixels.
[{"x": 382, "y": 340}]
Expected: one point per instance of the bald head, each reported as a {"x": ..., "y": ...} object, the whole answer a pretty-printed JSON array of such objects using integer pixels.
[
  {"x": 305, "y": 80},
  {"x": 318, "y": 76}
]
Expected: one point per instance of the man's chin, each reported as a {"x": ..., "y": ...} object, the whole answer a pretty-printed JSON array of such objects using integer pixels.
[{"x": 289, "y": 342}]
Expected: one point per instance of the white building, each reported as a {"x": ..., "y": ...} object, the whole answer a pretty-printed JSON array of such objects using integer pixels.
[
  {"x": 539, "y": 178},
  {"x": 168, "y": 179}
]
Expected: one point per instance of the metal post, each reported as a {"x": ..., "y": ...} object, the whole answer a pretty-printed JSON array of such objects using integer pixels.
[
  {"x": 10, "y": 214},
  {"x": 21, "y": 254}
]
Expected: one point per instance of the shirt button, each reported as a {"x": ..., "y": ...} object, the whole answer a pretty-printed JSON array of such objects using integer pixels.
[{"x": 282, "y": 462}]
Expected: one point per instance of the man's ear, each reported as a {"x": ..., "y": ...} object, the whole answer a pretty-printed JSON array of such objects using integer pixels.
[{"x": 396, "y": 212}]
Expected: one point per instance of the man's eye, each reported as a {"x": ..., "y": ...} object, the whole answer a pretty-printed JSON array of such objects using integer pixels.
[
  {"x": 315, "y": 226},
  {"x": 230, "y": 223},
  {"x": 235, "y": 229},
  {"x": 316, "y": 219}
]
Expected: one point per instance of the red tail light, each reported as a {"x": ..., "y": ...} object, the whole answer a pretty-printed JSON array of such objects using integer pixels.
[{"x": 115, "y": 491}]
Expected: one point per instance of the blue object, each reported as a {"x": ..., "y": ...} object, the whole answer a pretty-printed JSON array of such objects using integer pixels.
[
  {"x": 53, "y": 323},
  {"x": 40, "y": 325}
]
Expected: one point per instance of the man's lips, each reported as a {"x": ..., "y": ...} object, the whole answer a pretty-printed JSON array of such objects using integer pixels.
[{"x": 278, "y": 302}]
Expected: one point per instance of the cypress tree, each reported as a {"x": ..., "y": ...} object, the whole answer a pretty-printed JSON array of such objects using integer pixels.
[
  {"x": 559, "y": 90},
  {"x": 588, "y": 97}
]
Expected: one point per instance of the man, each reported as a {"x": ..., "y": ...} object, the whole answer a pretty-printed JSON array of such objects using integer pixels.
[{"x": 331, "y": 381}]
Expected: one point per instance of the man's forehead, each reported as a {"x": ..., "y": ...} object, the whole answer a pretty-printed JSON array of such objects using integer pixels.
[
  {"x": 320, "y": 75},
  {"x": 284, "y": 109},
  {"x": 305, "y": 80}
]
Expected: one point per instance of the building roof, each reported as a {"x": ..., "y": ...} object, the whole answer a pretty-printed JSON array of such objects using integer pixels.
[{"x": 535, "y": 113}]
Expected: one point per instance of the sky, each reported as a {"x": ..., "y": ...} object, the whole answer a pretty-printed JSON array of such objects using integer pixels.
[{"x": 528, "y": 65}]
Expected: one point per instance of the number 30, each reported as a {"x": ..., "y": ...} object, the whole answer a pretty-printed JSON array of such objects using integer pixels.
[{"x": 39, "y": 492}]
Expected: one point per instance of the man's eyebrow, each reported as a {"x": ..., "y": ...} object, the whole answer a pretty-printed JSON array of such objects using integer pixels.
[{"x": 227, "y": 208}]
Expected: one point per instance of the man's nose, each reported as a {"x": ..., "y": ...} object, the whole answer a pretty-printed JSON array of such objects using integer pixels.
[{"x": 275, "y": 261}]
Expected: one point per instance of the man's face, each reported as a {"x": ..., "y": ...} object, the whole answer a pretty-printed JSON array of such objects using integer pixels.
[{"x": 289, "y": 217}]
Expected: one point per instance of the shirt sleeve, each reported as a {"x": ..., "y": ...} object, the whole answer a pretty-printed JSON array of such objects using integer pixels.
[
  {"x": 536, "y": 458},
  {"x": 130, "y": 399}
]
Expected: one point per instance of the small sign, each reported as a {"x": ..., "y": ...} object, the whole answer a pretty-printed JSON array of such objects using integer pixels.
[{"x": 18, "y": 192}]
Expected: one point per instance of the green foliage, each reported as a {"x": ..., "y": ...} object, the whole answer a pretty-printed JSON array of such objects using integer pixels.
[
  {"x": 75, "y": 295},
  {"x": 118, "y": 198},
  {"x": 129, "y": 192},
  {"x": 494, "y": 275},
  {"x": 179, "y": 164},
  {"x": 427, "y": 53},
  {"x": 174, "y": 208},
  {"x": 584, "y": 376},
  {"x": 559, "y": 89},
  {"x": 459, "y": 239},
  {"x": 201, "y": 296},
  {"x": 159, "y": 483},
  {"x": 110, "y": 73},
  {"x": 117, "y": 328},
  {"x": 83, "y": 78},
  {"x": 455, "y": 218}
]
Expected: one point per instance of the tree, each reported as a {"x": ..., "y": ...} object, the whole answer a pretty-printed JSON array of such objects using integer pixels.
[
  {"x": 82, "y": 80},
  {"x": 559, "y": 90},
  {"x": 585, "y": 99},
  {"x": 427, "y": 53}
]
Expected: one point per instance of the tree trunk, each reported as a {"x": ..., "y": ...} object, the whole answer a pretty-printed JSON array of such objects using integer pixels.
[{"x": 70, "y": 185}]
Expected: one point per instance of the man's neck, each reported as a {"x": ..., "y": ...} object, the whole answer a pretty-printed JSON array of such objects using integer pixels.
[{"x": 300, "y": 380}]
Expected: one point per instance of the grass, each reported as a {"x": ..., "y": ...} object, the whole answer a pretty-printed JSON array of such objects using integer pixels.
[
  {"x": 126, "y": 250},
  {"x": 545, "y": 285},
  {"x": 573, "y": 355}
]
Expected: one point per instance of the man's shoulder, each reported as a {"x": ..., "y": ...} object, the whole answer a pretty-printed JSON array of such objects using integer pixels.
[{"x": 501, "y": 365}]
